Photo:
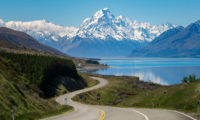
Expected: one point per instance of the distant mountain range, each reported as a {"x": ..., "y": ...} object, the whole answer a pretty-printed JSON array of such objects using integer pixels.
[
  {"x": 176, "y": 42},
  {"x": 12, "y": 41},
  {"x": 16, "y": 40},
  {"x": 102, "y": 35}
]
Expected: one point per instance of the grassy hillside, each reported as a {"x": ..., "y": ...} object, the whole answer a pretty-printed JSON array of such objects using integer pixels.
[
  {"x": 130, "y": 92},
  {"x": 26, "y": 103},
  {"x": 45, "y": 72},
  {"x": 26, "y": 81}
]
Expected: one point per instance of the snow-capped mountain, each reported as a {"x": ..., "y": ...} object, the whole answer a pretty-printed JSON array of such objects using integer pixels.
[
  {"x": 113, "y": 36},
  {"x": 177, "y": 42},
  {"x": 103, "y": 24},
  {"x": 41, "y": 30}
]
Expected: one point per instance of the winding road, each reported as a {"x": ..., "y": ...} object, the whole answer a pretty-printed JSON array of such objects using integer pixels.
[{"x": 96, "y": 112}]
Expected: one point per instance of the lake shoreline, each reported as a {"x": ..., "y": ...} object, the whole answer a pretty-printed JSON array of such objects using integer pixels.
[{"x": 162, "y": 71}]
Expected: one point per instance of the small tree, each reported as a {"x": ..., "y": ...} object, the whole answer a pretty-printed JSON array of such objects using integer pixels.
[
  {"x": 192, "y": 78},
  {"x": 185, "y": 80}
]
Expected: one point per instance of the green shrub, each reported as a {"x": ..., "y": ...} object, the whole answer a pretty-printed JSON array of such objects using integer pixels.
[{"x": 185, "y": 80}]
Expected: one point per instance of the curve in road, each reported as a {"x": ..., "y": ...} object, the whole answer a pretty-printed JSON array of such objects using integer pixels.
[{"x": 94, "y": 112}]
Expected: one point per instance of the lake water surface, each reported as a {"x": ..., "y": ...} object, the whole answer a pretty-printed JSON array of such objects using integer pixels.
[{"x": 158, "y": 70}]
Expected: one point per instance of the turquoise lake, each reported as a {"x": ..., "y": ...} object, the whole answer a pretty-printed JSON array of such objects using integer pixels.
[{"x": 164, "y": 71}]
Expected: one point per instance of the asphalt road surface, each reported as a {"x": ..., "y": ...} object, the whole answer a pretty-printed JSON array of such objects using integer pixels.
[{"x": 95, "y": 112}]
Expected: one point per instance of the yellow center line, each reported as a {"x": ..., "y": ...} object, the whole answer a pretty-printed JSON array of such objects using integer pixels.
[{"x": 103, "y": 115}]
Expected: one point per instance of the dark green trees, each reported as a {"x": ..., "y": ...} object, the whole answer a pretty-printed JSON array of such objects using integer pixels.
[
  {"x": 191, "y": 78},
  {"x": 45, "y": 72}
]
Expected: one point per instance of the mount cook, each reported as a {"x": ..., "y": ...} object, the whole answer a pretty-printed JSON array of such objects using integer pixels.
[{"x": 102, "y": 35}]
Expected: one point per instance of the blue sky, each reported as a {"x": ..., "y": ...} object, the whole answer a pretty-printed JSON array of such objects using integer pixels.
[{"x": 73, "y": 12}]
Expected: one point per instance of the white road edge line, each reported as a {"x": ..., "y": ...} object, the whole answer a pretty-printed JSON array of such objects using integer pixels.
[
  {"x": 146, "y": 118},
  {"x": 183, "y": 114}
]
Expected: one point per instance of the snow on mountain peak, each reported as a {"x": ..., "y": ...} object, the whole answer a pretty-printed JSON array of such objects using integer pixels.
[
  {"x": 105, "y": 9},
  {"x": 120, "y": 17},
  {"x": 41, "y": 29},
  {"x": 104, "y": 25},
  {"x": 105, "y": 12},
  {"x": 197, "y": 22}
]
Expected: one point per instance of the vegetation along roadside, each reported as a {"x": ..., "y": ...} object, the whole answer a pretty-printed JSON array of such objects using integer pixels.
[
  {"x": 29, "y": 83},
  {"x": 124, "y": 91}
]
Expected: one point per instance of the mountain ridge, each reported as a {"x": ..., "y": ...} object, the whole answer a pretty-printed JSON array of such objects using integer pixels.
[
  {"x": 103, "y": 28},
  {"x": 18, "y": 39},
  {"x": 103, "y": 23},
  {"x": 180, "y": 42},
  {"x": 39, "y": 29}
]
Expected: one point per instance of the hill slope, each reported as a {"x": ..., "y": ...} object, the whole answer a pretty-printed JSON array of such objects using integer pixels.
[
  {"x": 22, "y": 40},
  {"x": 85, "y": 47},
  {"x": 177, "y": 42},
  {"x": 25, "y": 80}
]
